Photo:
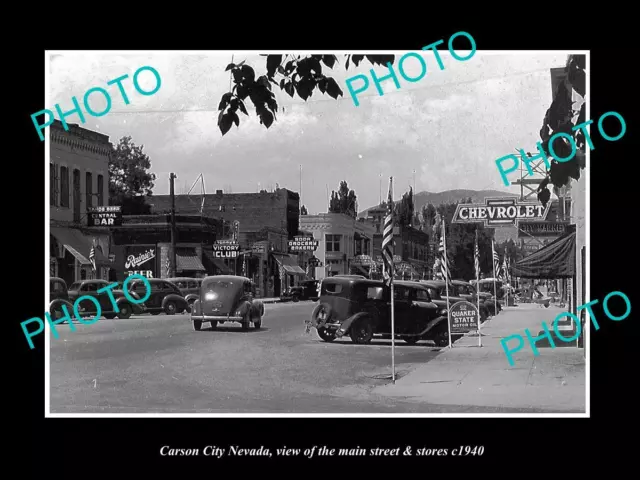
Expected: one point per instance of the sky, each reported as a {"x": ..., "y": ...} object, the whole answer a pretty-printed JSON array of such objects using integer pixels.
[{"x": 449, "y": 127}]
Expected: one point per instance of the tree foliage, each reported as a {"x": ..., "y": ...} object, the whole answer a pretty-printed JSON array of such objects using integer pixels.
[
  {"x": 303, "y": 210},
  {"x": 294, "y": 74},
  {"x": 130, "y": 182},
  {"x": 558, "y": 119},
  {"x": 404, "y": 210},
  {"x": 344, "y": 201}
]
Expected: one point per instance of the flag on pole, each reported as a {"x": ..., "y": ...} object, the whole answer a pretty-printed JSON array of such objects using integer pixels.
[
  {"x": 444, "y": 264},
  {"x": 387, "y": 239},
  {"x": 92, "y": 257},
  {"x": 496, "y": 261},
  {"x": 504, "y": 273},
  {"x": 476, "y": 257},
  {"x": 168, "y": 267}
]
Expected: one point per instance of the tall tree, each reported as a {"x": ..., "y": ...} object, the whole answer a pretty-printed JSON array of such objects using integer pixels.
[
  {"x": 295, "y": 74},
  {"x": 404, "y": 209},
  {"x": 130, "y": 182},
  {"x": 344, "y": 201}
]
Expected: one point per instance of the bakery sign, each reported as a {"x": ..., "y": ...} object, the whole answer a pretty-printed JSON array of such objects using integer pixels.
[
  {"x": 501, "y": 212},
  {"x": 105, "y": 216},
  {"x": 303, "y": 244}
]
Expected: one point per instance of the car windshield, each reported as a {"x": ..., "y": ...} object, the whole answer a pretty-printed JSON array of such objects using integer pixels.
[{"x": 75, "y": 286}]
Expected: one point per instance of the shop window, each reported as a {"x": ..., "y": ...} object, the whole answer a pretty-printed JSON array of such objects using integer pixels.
[
  {"x": 333, "y": 243},
  {"x": 100, "y": 190},
  {"x": 89, "y": 188},
  {"x": 64, "y": 187}
]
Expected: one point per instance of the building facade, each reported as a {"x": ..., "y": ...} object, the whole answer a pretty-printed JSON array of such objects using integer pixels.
[
  {"x": 142, "y": 245},
  {"x": 266, "y": 221},
  {"x": 411, "y": 252},
  {"x": 78, "y": 179},
  {"x": 340, "y": 239}
]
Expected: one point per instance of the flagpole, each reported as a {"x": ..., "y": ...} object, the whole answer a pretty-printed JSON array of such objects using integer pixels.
[
  {"x": 393, "y": 325},
  {"x": 495, "y": 294},
  {"x": 446, "y": 279},
  {"x": 477, "y": 289}
]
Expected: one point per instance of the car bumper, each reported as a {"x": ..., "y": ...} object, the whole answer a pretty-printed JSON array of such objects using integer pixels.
[{"x": 216, "y": 318}]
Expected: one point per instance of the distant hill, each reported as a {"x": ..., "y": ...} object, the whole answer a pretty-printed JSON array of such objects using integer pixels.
[{"x": 451, "y": 196}]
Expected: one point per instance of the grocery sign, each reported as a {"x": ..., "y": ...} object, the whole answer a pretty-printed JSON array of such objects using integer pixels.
[
  {"x": 303, "y": 244},
  {"x": 500, "y": 212}
]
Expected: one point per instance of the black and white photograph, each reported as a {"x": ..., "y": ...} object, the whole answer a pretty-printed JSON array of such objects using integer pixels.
[{"x": 302, "y": 233}]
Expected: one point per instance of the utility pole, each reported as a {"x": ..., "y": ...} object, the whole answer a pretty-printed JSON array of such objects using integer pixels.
[{"x": 172, "y": 178}]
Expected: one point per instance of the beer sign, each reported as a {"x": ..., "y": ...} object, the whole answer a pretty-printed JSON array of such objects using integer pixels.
[
  {"x": 105, "y": 216},
  {"x": 303, "y": 244},
  {"x": 501, "y": 212}
]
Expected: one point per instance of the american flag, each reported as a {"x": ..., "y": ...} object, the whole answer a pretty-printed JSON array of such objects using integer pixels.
[
  {"x": 92, "y": 256},
  {"x": 387, "y": 238},
  {"x": 496, "y": 260},
  {"x": 505, "y": 266},
  {"x": 476, "y": 256},
  {"x": 168, "y": 266},
  {"x": 444, "y": 264}
]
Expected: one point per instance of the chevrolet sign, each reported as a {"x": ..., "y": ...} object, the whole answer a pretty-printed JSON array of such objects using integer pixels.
[{"x": 500, "y": 212}]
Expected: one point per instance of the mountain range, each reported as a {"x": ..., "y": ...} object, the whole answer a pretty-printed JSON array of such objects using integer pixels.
[{"x": 452, "y": 196}]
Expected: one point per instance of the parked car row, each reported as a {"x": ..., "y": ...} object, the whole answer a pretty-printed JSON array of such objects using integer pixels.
[{"x": 360, "y": 308}]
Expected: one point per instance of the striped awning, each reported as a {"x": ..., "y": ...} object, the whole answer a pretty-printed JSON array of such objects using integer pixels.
[
  {"x": 189, "y": 262},
  {"x": 78, "y": 244},
  {"x": 289, "y": 264}
]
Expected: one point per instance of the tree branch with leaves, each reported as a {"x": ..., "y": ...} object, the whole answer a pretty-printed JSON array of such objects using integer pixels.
[{"x": 294, "y": 74}]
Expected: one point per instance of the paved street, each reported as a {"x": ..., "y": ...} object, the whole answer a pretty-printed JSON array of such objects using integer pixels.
[{"x": 159, "y": 364}]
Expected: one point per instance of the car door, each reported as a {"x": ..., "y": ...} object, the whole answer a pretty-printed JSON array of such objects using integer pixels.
[
  {"x": 425, "y": 311},
  {"x": 402, "y": 308},
  {"x": 90, "y": 289}
]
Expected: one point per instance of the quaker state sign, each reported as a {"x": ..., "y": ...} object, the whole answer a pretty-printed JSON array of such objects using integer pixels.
[
  {"x": 501, "y": 212},
  {"x": 463, "y": 317}
]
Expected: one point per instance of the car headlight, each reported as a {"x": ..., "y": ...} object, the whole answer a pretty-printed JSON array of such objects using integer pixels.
[
  {"x": 443, "y": 311},
  {"x": 210, "y": 296}
]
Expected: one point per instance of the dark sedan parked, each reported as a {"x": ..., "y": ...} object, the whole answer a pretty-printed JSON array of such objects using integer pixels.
[
  {"x": 165, "y": 296},
  {"x": 91, "y": 287},
  {"x": 361, "y": 308},
  {"x": 438, "y": 291}
]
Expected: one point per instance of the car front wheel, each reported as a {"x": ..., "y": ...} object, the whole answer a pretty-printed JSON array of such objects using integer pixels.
[
  {"x": 170, "y": 308},
  {"x": 197, "y": 325},
  {"x": 326, "y": 334}
]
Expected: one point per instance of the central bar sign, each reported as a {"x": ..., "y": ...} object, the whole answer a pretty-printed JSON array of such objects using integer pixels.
[{"x": 500, "y": 212}]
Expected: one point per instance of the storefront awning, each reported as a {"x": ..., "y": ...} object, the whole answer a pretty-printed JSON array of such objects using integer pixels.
[
  {"x": 555, "y": 260},
  {"x": 220, "y": 265},
  {"x": 189, "y": 262},
  {"x": 78, "y": 244},
  {"x": 289, "y": 263}
]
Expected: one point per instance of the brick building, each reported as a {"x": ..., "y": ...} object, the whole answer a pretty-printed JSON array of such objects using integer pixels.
[
  {"x": 267, "y": 220},
  {"x": 142, "y": 245},
  {"x": 78, "y": 178},
  {"x": 341, "y": 238}
]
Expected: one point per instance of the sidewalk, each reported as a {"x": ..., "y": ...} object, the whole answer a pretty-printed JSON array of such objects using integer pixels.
[{"x": 481, "y": 376}]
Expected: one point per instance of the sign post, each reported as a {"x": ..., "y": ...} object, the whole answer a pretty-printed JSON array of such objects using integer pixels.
[{"x": 463, "y": 318}]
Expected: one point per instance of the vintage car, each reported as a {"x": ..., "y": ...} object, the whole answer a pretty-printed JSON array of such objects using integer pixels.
[
  {"x": 227, "y": 298},
  {"x": 486, "y": 289},
  {"x": 361, "y": 308},
  {"x": 58, "y": 296},
  {"x": 438, "y": 292},
  {"x": 91, "y": 287},
  {"x": 189, "y": 288},
  {"x": 307, "y": 290},
  {"x": 165, "y": 296},
  {"x": 467, "y": 292}
]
